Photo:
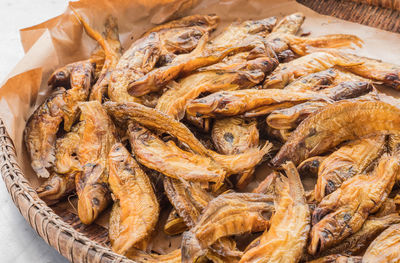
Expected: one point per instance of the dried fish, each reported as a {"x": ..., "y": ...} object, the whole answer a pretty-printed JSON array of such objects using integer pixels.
[
  {"x": 336, "y": 123},
  {"x": 343, "y": 212},
  {"x": 56, "y": 187},
  {"x": 67, "y": 150},
  {"x": 314, "y": 81},
  {"x": 231, "y": 103},
  {"x": 375, "y": 70},
  {"x": 77, "y": 77},
  {"x": 112, "y": 48},
  {"x": 311, "y": 63},
  {"x": 98, "y": 135},
  {"x": 190, "y": 200},
  {"x": 359, "y": 241},
  {"x": 233, "y": 136},
  {"x": 301, "y": 46},
  {"x": 236, "y": 38},
  {"x": 290, "y": 118},
  {"x": 287, "y": 235},
  {"x": 337, "y": 258},
  {"x": 385, "y": 248},
  {"x": 170, "y": 160},
  {"x": 174, "y": 101},
  {"x": 151, "y": 118},
  {"x": 228, "y": 214},
  {"x": 40, "y": 133},
  {"x": 178, "y": 36},
  {"x": 348, "y": 90},
  {"x": 349, "y": 160},
  {"x": 138, "y": 205},
  {"x": 290, "y": 24},
  {"x": 62, "y": 181}
]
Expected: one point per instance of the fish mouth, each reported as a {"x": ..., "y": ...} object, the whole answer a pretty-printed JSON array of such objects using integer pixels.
[
  {"x": 91, "y": 203},
  {"x": 201, "y": 107},
  {"x": 52, "y": 187}
]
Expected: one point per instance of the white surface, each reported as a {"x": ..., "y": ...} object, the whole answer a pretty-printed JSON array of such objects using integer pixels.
[{"x": 19, "y": 243}]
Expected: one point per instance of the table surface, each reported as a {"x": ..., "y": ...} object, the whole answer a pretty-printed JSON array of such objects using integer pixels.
[{"x": 19, "y": 243}]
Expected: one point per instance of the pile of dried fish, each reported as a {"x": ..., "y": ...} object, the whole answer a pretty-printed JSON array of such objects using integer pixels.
[{"x": 199, "y": 113}]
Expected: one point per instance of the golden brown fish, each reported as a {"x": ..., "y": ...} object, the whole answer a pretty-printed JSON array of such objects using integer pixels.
[
  {"x": 107, "y": 54},
  {"x": 235, "y": 135},
  {"x": 174, "y": 101},
  {"x": 139, "y": 207},
  {"x": 385, "y": 248},
  {"x": 112, "y": 50},
  {"x": 311, "y": 63},
  {"x": 281, "y": 42},
  {"x": 314, "y": 81},
  {"x": 175, "y": 37},
  {"x": 190, "y": 200},
  {"x": 40, "y": 133},
  {"x": 348, "y": 90},
  {"x": 290, "y": 24},
  {"x": 67, "y": 150},
  {"x": 287, "y": 236},
  {"x": 375, "y": 69},
  {"x": 336, "y": 123},
  {"x": 303, "y": 45},
  {"x": 170, "y": 160},
  {"x": 244, "y": 61},
  {"x": 66, "y": 166},
  {"x": 337, "y": 258},
  {"x": 77, "y": 77},
  {"x": 236, "y": 38},
  {"x": 231, "y": 103},
  {"x": 344, "y": 211},
  {"x": 359, "y": 241},
  {"x": 56, "y": 187},
  {"x": 227, "y": 214},
  {"x": 98, "y": 135},
  {"x": 290, "y": 118},
  {"x": 154, "y": 119},
  {"x": 242, "y": 162},
  {"x": 349, "y": 160}
]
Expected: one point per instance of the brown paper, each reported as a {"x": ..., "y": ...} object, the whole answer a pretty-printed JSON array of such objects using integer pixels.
[{"x": 62, "y": 40}]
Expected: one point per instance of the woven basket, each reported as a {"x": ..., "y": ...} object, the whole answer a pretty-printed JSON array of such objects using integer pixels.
[{"x": 75, "y": 246}]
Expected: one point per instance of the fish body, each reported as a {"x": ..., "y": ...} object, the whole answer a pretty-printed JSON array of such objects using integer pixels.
[{"x": 138, "y": 205}]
